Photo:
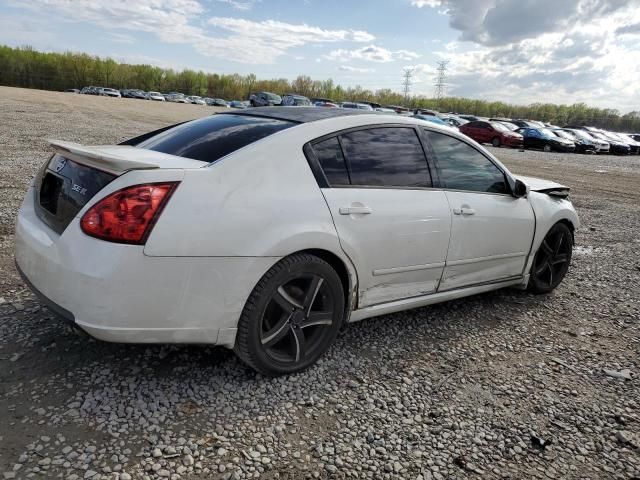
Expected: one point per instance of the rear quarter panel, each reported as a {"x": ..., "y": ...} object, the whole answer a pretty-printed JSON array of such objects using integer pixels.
[{"x": 262, "y": 200}]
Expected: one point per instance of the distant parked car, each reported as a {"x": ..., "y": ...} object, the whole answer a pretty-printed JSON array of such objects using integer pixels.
[
  {"x": 616, "y": 146},
  {"x": 634, "y": 146},
  {"x": 293, "y": 100},
  {"x": 139, "y": 94},
  {"x": 217, "y": 102},
  {"x": 237, "y": 104},
  {"x": 109, "y": 92},
  {"x": 323, "y": 103},
  {"x": 470, "y": 118},
  {"x": 545, "y": 139},
  {"x": 454, "y": 120},
  {"x": 90, "y": 91},
  {"x": 601, "y": 145},
  {"x": 324, "y": 100},
  {"x": 424, "y": 111},
  {"x": 385, "y": 110},
  {"x": 399, "y": 109},
  {"x": 583, "y": 145},
  {"x": 524, "y": 123},
  {"x": 72, "y": 90},
  {"x": 156, "y": 96},
  {"x": 506, "y": 122},
  {"x": 196, "y": 100},
  {"x": 176, "y": 98},
  {"x": 265, "y": 99},
  {"x": 433, "y": 119},
  {"x": 355, "y": 105},
  {"x": 491, "y": 132}
]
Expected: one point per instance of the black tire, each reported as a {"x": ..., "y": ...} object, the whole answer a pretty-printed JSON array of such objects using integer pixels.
[
  {"x": 552, "y": 260},
  {"x": 292, "y": 316},
  {"x": 495, "y": 142},
  {"x": 547, "y": 148}
]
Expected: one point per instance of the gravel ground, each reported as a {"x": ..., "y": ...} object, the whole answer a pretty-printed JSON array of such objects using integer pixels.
[{"x": 502, "y": 385}]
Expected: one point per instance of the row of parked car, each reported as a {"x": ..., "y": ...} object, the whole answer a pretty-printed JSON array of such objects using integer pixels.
[
  {"x": 508, "y": 132},
  {"x": 175, "y": 97},
  {"x": 548, "y": 137}
]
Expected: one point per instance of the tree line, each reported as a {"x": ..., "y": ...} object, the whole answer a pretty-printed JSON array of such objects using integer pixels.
[{"x": 28, "y": 68}]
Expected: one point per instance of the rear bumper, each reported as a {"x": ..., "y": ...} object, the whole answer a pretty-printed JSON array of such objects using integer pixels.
[{"x": 117, "y": 293}]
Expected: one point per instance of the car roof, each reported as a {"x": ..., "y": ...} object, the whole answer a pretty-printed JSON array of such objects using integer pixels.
[{"x": 300, "y": 114}]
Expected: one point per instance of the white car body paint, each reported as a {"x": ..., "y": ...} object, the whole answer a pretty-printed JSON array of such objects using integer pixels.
[{"x": 229, "y": 222}]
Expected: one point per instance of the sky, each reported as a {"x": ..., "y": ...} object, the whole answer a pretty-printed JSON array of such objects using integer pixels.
[{"x": 518, "y": 51}]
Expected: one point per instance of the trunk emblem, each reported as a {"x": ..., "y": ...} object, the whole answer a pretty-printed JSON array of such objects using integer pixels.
[{"x": 60, "y": 165}]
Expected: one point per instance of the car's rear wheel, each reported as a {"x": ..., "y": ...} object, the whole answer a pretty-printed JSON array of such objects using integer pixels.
[
  {"x": 292, "y": 316},
  {"x": 495, "y": 142},
  {"x": 552, "y": 260},
  {"x": 547, "y": 148}
]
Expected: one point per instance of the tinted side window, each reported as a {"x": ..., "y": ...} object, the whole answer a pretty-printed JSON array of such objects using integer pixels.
[
  {"x": 386, "y": 156},
  {"x": 213, "y": 137},
  {"x": 464, "y": 168},
  {"x": 329, "y": 155}
]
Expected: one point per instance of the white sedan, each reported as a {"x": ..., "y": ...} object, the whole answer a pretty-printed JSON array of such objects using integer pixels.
[{"x": 265, "y": 230}]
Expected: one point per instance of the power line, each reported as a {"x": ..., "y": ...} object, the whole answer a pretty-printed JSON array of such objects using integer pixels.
[
  {"x": 407, "y": 74},
  {"x": 440, "y": 85}
]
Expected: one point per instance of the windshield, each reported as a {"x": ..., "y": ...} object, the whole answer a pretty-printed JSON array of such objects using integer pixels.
[
  {"x": 273, "y": 97},
  {"x": 301, "y": 101},
  {"x": 213, "y": 137},
  {"x": 599, "y": 135},
  {"x": 563, "y": 134},
  {"x": 546, "y": 132},
  {"x": 510, "y": 126},
  {"x": 154, "y": 93},
  {"x": 582, "y": 134},
  {"x": 499, "y": 127}
]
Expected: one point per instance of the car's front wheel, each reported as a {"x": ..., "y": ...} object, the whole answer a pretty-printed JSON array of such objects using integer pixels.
[
  {"x": 495, "y": 142},
  {"x": 547, "y": 148},
  {"x": 551, "y": 263},
  {"x": 292, "y": 316}
]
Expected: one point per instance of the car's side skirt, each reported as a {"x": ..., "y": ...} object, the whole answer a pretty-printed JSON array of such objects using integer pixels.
[{"x": 423, "y": 300}]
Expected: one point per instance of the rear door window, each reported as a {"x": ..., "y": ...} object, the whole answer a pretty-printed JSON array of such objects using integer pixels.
[
  {"x": 386, "y": 157},
  {"x": 211, "y": 138}
]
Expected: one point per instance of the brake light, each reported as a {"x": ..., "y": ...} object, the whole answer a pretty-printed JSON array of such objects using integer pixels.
[{"x": 128, "y": 215}]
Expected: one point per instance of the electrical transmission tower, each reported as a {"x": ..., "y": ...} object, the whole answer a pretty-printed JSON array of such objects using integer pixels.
[
  {"x": 407, "y": 75},
  {"x": 440, "y": 80}
]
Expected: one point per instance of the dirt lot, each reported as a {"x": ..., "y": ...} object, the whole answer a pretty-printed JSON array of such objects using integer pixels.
[{"x": 503, "y": 385}]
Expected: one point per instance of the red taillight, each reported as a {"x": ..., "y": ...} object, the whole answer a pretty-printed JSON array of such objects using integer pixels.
[{"x": 128, "y": 215}]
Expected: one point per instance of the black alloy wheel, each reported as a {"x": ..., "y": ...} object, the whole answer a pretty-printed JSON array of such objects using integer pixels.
[
  {"x": 547, "y": 148},
  {"x": 495, "y": 142},
  {"x": 552, "y": 260},
  {"x": 292, "y": 316}
]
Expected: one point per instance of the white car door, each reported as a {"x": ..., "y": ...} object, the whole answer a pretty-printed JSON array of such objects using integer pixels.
[
  {"x": 391, "y": 223},
  {"x": 491, "y": 230}
]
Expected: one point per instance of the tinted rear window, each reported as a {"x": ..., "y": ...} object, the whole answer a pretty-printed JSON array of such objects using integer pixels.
[{"x": 211, "y": 138}]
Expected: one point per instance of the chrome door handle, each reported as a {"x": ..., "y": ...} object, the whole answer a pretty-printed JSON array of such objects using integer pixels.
[
  {"x": 355, "y": 210},
  {"x": 464, "y": 211}
]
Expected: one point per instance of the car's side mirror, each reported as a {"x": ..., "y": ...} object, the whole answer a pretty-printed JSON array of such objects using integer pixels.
[{"x": 520, "y": 189}]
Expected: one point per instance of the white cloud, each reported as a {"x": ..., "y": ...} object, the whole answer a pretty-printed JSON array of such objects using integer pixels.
[
  {"x": 180, "y": 22},
  {"x": 426, "y": 3},
  {"x": 240, "y": 4},
  {"x": 370, "y": 53},
  {"x": 349, "y": 68}
]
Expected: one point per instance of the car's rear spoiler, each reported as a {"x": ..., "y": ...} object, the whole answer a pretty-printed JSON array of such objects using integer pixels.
[{"x": 100, "y": 158}]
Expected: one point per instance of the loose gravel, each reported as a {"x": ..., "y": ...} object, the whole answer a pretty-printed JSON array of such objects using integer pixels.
[{"x": 501, "y": 385}]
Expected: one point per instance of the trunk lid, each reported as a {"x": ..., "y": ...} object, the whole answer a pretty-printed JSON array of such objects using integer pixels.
[{"x": 76, "y": 173}]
